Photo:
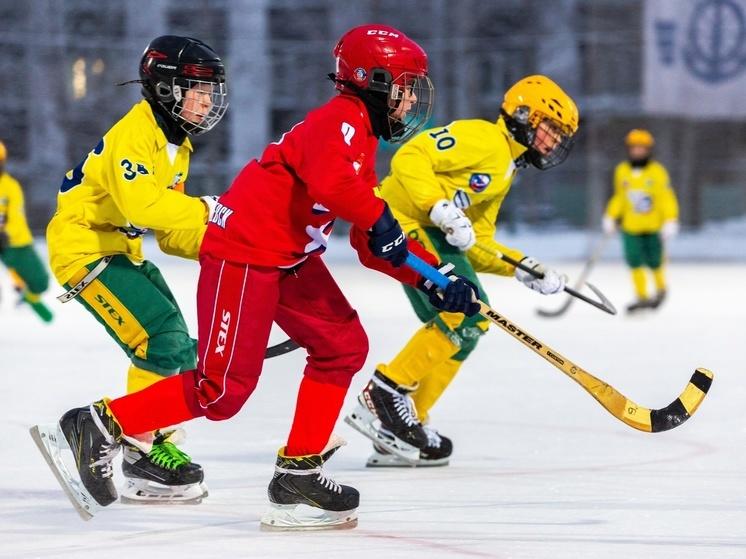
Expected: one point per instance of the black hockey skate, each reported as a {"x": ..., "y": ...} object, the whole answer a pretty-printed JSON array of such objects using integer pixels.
[
  {"x": 302, "y": 497},
  {"x": 385, "y": 409},
  {"x": 94, "y": 437},
  {"x": 164, "y": 475},
  {"x": 640, "y": 305},
  {"x": 436, "y": 453},
  {"x": 657, "y": 301}
]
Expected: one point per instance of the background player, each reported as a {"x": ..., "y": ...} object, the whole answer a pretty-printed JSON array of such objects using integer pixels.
[
  {"x": 131, "y": 182},
  {"x": 445, "y": 188},
  {"x": 17, "y": 252},
  {"x": 646, "y": 206},
  {"x": 260, "y": 262}
]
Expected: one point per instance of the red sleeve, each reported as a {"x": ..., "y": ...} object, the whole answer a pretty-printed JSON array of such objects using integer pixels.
[
  {"x": 333, "y": 144},
  {"x": 405, "y": 274}
]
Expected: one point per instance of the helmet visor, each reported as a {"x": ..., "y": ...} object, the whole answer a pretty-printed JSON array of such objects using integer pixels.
[
  {"x": 200, "y": 104},
  {"x": 410, "y": 105}
]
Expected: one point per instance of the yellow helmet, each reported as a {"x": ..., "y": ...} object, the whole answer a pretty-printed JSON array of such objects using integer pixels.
[
  {"x": 639, "y": 137},
  {"x": 3, "y": 152},
  {"x": 537, "y": 102}
]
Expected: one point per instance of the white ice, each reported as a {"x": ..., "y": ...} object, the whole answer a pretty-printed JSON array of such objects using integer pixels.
[{"x": 540, "y": 470}]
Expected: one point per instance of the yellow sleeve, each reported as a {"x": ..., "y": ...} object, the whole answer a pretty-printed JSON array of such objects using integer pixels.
[
  {"x": 433, "y": 152},
  {"x": 137, "y": 195},
  {"x": 668, "y": 201},
  {"x": 183, "y": 243},
  {"x": 484, "y": 229},
  {"x": 615, "y": 206}
]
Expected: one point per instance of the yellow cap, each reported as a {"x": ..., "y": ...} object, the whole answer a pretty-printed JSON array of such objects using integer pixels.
[
  {"x": 3, "y": 152},
  {"x": 639, "y": 137}
]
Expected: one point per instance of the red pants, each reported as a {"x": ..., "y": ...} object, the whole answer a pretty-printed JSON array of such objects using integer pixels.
[{"x": 236, "y": 305}]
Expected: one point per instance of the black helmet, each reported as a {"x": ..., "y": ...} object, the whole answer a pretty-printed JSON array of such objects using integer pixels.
[{"x": 171, "y": 68}]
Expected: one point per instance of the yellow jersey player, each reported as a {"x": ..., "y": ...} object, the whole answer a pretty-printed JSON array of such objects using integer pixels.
[
  {"x": 132, "y": 182},
  {"x": 445, "y": 188},
  {"x": 645, "y": 205},
  {"x": 17, "y": 252}
]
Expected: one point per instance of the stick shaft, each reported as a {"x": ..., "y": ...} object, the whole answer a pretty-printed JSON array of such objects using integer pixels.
[{"x": 610, "y": 398}]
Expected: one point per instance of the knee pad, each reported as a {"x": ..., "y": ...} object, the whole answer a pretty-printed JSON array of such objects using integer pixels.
[
  {"x": 340, "y": 358},
  {"x": 359, "y": 346}
]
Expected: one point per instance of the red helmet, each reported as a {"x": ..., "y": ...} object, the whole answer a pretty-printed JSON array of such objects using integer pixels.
[{"x": 385, "y": 63}]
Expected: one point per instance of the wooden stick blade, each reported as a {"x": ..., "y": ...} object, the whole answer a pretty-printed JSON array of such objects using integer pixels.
[{"x": 681, "y": 409}]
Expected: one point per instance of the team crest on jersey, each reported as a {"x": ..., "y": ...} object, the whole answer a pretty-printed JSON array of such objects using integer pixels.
[
  {"x": 360, "y": 74},
  {"x": 479, "y": 181}
]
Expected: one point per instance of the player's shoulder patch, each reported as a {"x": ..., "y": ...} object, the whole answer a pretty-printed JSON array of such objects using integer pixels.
[{"x": 479, "y": 181}]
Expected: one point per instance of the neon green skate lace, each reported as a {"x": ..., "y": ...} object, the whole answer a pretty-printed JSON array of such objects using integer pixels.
[{"x": 168, "y": 456}]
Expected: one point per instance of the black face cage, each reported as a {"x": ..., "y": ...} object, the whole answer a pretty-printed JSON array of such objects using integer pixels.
[
  {"x": 404, "y": 88},
  {"x": 210, "y": 111},
  {"x": 525, "y": 134}
]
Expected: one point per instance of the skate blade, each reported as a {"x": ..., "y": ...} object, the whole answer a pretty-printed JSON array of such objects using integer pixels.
[
  {"x": 144, "y": 492},
  {"x": 50, "y": 440},
  {"x": 362, "y": 421},
  {"x": 304, "y": 517},
  {"x": 378, "y": 460}
]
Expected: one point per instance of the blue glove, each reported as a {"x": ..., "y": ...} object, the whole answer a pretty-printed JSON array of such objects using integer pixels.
[
  {"x": 386, "y": 239},
  {"x": 460, "y": 295}
]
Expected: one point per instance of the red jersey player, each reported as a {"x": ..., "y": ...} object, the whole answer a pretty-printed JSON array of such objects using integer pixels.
[{"x": 260, "y": 262}]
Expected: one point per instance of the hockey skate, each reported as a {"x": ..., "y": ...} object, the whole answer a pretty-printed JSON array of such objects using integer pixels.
[
  {"x": 93, "y": 436},
  {"x": 162, "y": 475},
  {"x": 303, "y": 497},
  {"x": 657, "y": 301},
  {"x": 436, "y": 453},
  {"x": 640, "y": 305},
  {"x": 385, "y": 414}
]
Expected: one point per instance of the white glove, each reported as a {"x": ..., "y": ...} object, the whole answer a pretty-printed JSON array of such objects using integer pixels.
[
  {"x": 670, "y": 229},
  {"x": 211, "y": 202},
  {"x": 454, "y": 223},
  {"x": 553, "y": 282},
  {"x": 608, "y": 224}
]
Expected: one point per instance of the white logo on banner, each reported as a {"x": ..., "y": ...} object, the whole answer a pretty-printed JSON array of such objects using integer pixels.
[{"x": 695, "y": 57}]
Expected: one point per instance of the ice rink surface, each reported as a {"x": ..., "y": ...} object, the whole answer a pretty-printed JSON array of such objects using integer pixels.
[{"x": 539, "y": 470}]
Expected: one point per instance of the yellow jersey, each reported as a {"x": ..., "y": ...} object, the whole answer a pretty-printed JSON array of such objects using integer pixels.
[
  {"x": 13, "y": 213},
  {"x": 469, "y": 161},
  {"x": 643, "y": 198},
  {"x": 132, "y": 181}
]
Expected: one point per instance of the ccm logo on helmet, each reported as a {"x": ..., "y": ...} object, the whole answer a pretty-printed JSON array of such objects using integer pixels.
[{"x": 382, "y": 33}]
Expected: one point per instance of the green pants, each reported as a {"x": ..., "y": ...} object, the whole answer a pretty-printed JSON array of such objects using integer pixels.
[
  {"x": 643, "y": 250},
  {"x": 29, "y": 267},
  {"x": 471, "y": 328},
  {"x": 140, "y": 313}
]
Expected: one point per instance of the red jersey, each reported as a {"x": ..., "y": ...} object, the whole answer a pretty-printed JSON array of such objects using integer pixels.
[{"x": 281, "y": 209}]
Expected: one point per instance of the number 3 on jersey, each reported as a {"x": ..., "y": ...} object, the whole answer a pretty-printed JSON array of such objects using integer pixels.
[{"x": 130, "y": 172}]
